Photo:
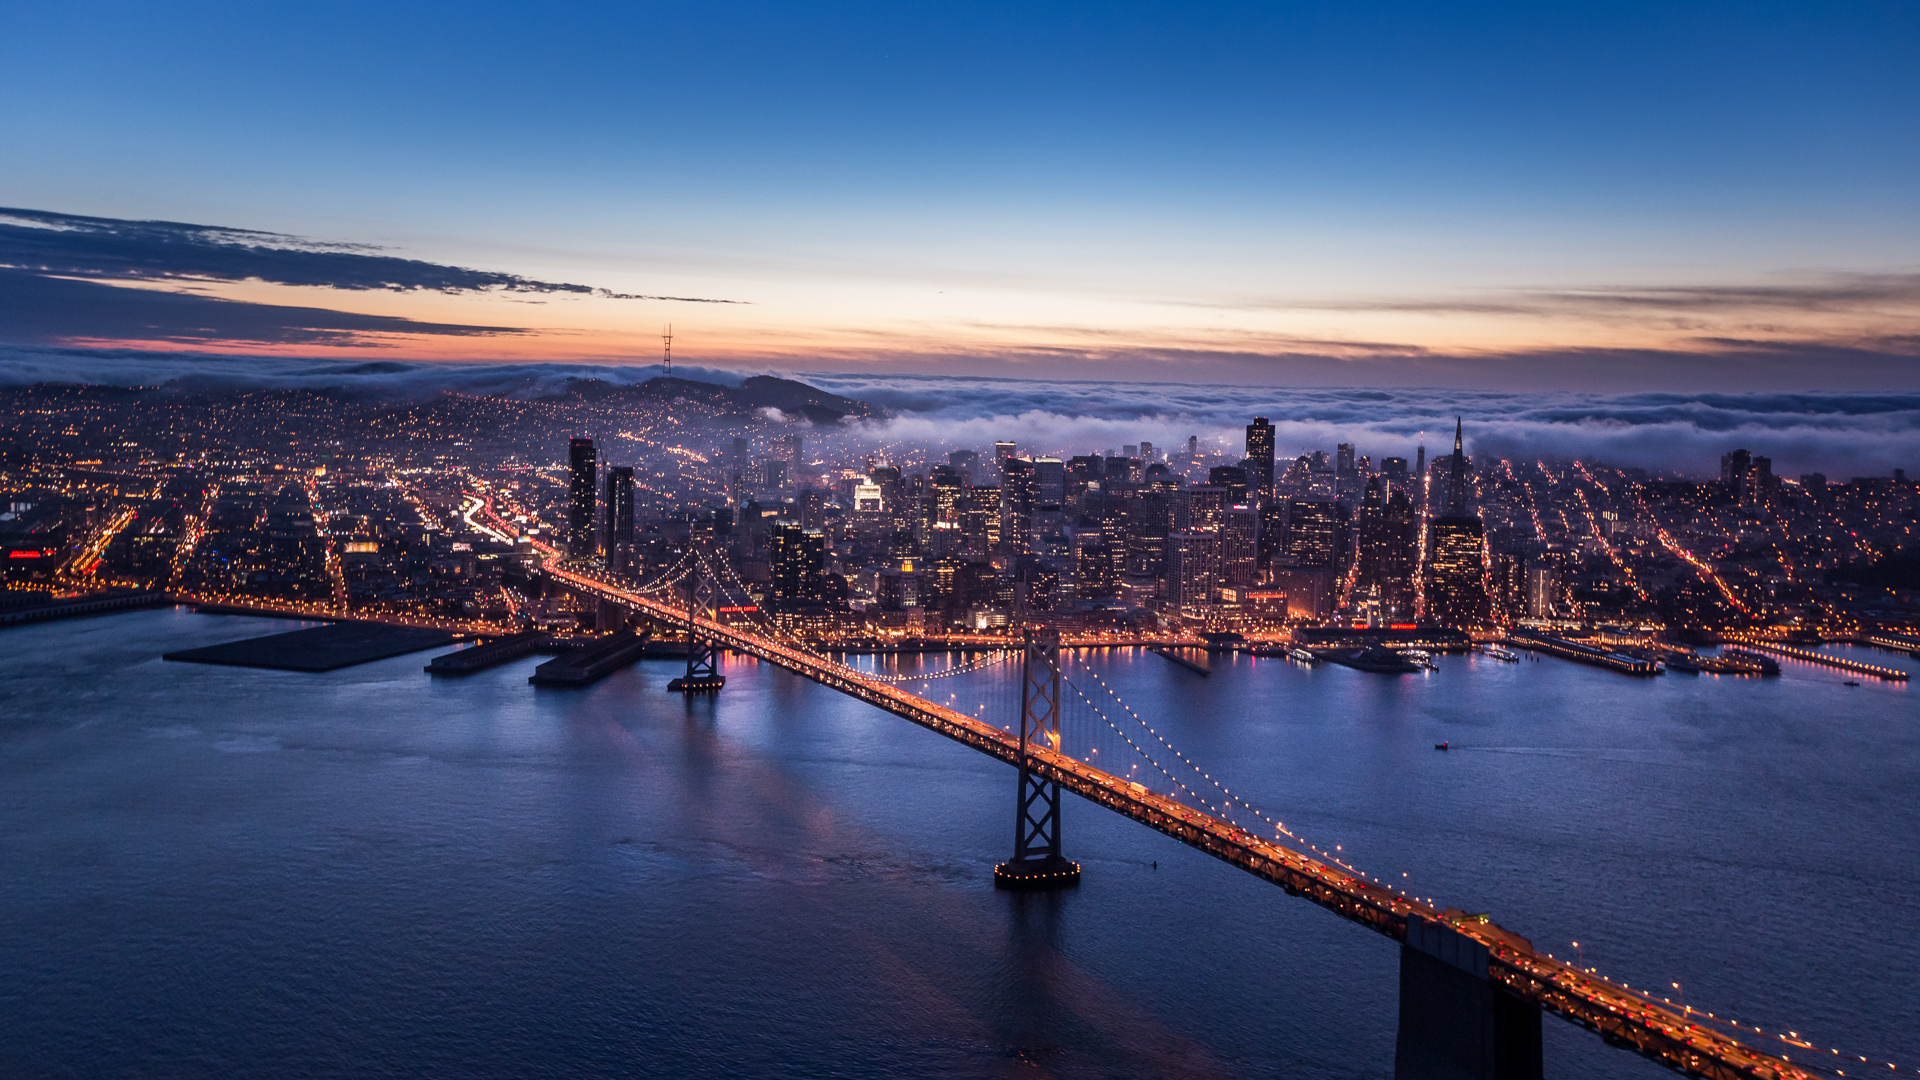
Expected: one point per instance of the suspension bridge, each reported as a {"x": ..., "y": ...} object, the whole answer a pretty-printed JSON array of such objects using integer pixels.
[{"x": 1471, "y": 993}]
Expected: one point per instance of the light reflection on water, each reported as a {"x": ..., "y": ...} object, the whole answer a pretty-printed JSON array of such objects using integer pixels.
[{"x": 208, "y": 871}]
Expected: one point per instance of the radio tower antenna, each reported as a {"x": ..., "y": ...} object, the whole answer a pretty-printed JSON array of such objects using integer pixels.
[{"x": 666, "y": 342}]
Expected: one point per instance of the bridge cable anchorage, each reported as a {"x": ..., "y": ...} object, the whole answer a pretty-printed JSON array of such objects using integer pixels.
[{"x": 1037, "y": 863}]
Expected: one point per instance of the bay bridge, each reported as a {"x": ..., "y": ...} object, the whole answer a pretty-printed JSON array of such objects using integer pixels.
[{"x": 1472, "y": 994}]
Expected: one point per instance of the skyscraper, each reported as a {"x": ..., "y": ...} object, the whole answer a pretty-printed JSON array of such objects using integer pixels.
[
  {"x": 1260, "y": 452},
  {"x": 1456, "y": 554},
  {"x": 798, "y": 557},
  {"x": 619, "y": 507},
  {"x": 1456, "y": 572},
  {"x": 583, "y": 477},
  {"x": 1235, "y": 480},
  {"x": 1019, "y": 494},
  {"x": 1191, "y": 561},
  {"x": 1313, "y": 532},
  {"x": 1238, "y": 552},
  {"x": 1457, "y": 477}
]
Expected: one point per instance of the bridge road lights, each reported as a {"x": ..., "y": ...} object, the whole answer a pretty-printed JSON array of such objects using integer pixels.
[
  {"x": 703, "y": 671},
  {"x": 1037, "y": 862}
]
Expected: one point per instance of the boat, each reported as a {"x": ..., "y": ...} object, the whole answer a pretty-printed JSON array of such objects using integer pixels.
[
  {"x": 1682, "y": 662},
  {"x": 1302, "y": 655},
  {"x": 1439, "y": 746},
  {"x": 1504, "y": 655},
  {"x": 1419, "y": 657},
  {"x": 1853, "y": 682}
]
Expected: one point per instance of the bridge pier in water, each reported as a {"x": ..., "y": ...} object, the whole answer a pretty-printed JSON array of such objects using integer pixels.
[
  {"x": 1456, "y": 1023},
  {"x": 703, "y": 667},
  {"x": 1037, "y": 862}
]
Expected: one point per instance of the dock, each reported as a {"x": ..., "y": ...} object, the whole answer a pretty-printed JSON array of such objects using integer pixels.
[
  {"x": 322, "y": 648},
  {"x": 1198, "y": 669},
  {"x": 595, "y": 662},
  {"x": 1814, "y": 656},
  {"x": 492, "y": 654},
  {"x": 1582, "y": 653},
  {"x": 76, "y": 606},
  {"x": 1882, "y": 639}
]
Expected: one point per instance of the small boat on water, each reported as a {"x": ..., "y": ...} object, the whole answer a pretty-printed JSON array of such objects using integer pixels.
[
  {"x": 1853, "y": 682},
  {"x": 1302, "y": 655},
  {"x": 1503, "y": 655},
  {"x": 1418, "y": 657},
  {"x": 1439, "y": 746}
]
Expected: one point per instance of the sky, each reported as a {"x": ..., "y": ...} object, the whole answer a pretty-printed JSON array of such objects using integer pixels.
[{"x": 1622, "y": 198}]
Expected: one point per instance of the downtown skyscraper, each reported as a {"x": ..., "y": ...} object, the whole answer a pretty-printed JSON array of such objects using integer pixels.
[{"x": 582, "y": 476}]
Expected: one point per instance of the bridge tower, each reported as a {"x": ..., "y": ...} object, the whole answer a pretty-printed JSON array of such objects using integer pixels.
[
  {"x": 1037, "y": 862},
  {"x": 1456, "y": 1023},
  {"x": 703, "y": 670}
]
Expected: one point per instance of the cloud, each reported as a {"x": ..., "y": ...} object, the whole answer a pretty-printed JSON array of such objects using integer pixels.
[
  {"x": 36, "y": 309},
  {"x": 1837, "y": 433},
  {"x": 69, "y": 245},
  {"x": 393, "y": 379},
  {"x": 1841, "y": 434}
]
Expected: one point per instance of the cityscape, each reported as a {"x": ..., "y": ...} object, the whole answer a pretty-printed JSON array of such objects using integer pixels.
[
  {"x": 556, "y": 540},
  {"x": 445, "y": 512}
]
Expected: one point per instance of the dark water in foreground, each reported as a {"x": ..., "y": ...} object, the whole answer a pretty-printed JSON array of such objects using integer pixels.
[{"x": 219, "y": 872}]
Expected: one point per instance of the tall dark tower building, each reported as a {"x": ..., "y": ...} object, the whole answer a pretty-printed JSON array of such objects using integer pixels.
[
  {"x": 1260, "y": 453},
  {"x": 798, "y": 558},
  {"x": 1456, "y": 554},
  {"x": 619, "y": 507},
  {"x": 1400, "y": 548},
  {"x": 1313, "y": 532},
  {"x": 1387, "y": 544},
  {"x": 583, "y": 466},
  {"x": 1457, "y": 477},
  {"x": 1019, "y": 494}
]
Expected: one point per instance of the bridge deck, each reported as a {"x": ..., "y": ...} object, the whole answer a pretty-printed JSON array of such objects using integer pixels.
[{"x": 1620, "y": 1015}]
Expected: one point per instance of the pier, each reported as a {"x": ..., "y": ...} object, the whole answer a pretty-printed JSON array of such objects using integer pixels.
[
  {"x": 492, "y": 654},
  {"x": 597, "y": 661},
  {"x": 1582, "y": 653},
  {"x": 1814, "y": 656},
  {"x": 74, "y": 607},
  {"x": 1201, "y": 670}
]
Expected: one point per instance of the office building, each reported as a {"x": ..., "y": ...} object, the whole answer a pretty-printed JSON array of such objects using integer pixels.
[
  {"x": 1019, "y": 494},
  {"x": 797, "y": 561},
  {"x": 1191, "y": 560},
  {"x": 1235, "y": 480},
  {"x": 583, "y": 478},
  {"x": 1456, "y": 554},
  {"x": 1260, "y": 453},
  {"x": 619, "y": 508},
  {"x": 1313, "y": 532},
  {"x": 1239, "y": 546}
]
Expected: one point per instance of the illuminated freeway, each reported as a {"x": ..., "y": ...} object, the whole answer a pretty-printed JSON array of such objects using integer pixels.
[{"x": 1682, "y": 1038}]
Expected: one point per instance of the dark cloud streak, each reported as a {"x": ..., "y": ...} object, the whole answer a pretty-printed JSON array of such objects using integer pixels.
[
  {"x": 49, "y": 310},
  {"x": 70, "y": 245}
]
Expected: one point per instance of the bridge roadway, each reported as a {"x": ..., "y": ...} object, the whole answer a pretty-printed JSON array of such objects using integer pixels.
[{"x": 1621, "y": 1016}]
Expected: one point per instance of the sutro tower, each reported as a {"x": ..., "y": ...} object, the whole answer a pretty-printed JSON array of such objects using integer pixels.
[{"x": 666, "y": 342}]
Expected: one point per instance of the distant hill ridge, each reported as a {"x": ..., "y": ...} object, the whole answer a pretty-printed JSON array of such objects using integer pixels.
[{"x": 794, "y": 399}]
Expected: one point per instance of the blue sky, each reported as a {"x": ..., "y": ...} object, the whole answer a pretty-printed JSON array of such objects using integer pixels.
[{"x": 1179, "y": 189}]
